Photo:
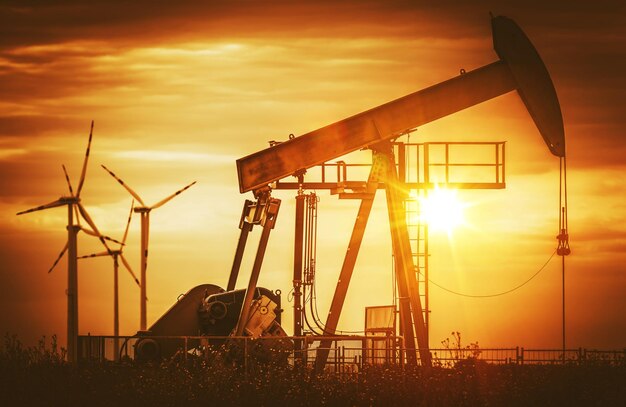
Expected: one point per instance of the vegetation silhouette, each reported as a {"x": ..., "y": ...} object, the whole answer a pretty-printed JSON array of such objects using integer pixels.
[{"x": 39, "y": 375}]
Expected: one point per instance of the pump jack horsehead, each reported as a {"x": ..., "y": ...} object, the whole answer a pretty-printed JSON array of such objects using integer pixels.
[
  {"x": 75, "y": 210},
  {"x": 520, "y": 68}
]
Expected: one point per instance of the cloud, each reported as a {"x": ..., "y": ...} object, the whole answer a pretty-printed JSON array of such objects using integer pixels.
[
  {"x": 179, "y": 90},
  {"x": 57, "y": 54},
  {"x": 44, "y": 22},
  {"x": 13, "y": 128},
  {"x": 176, "y": 156}
]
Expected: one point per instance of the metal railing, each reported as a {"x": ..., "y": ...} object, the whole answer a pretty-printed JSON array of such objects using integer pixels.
[
  {"x": 458, "y": 165},
  {"x": 348, "y": 354}
]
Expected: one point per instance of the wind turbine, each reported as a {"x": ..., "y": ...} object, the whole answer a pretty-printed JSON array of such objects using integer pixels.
[
  {"x": 117, "y": 255},
  {"x": 144, "y": 210},
  {"x": 74, "y": 207}
]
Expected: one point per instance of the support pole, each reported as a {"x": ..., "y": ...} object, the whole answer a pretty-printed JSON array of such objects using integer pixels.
[
  {"x": 297, "y": 268},
  {"x": 404, "y": 299},
  {"x": 563, "y": 248},
  {"x": 72, "y": 288},
  {"x": 563, "y": 305},
  {"x": 401, "y": 281},
  {"x": 145, "y": 222},
  {"x": 348, "y": 264},
  {"x": 116, "y": 307},
  {"x": 404, "y": 258},
  {"x": 245, "y": 227}
]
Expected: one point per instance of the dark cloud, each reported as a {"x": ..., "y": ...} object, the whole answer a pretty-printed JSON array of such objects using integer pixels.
[
  {"x": 32, "y": 179},
  {"x": 49, "y": 65},
  {"x": 42, "y": 22},
  {"x": 596, "y": 146},
  {"x": 582, "y": 43},
  {"x": 49, "y": 22},
  {"x": 13, "y": 128},
  {"x": 601, "y": 241},
  {"x": 59, "y": 75}
]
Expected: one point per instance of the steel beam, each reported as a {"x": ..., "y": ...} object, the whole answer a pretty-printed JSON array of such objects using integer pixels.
[
  {"x": 359, "y": 185},
  {"x": 298, "y": 249},
  {"x": 245, "y": 228},
  {"x": 378, "y": 124},
  {"x": 520, "y": 68},
  {"x": 405, "y": 276},
  {"x": 347, "y": 268},
  {"x": 399, "y": 252}
]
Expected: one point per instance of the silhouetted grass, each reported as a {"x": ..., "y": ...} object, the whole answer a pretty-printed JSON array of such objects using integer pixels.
[{"x": 39, "y": 376}]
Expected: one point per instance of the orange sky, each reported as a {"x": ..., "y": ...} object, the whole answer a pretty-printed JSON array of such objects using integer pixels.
[{"x": 179, "y": 92}]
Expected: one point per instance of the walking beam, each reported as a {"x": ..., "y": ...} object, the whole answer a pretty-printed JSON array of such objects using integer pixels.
[{"x": 519, "y": 68}]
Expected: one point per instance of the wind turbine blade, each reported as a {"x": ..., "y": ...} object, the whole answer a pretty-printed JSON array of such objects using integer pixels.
[
  {"x": 130, "y": 215},
  {"x": 77, "y": 215},
  {"x": 161, "y": 203},
  {"x": 129, "y": 269},
  {"x": 84, "y": 171},
  {"x": 129, "y": 189},
  {"x": 92, "y": 233},
  {"x": 101, "y": 254},
  {"x": 59, "y": 258},
  {"x": 110, "y": 239},
  {"x": 88, "y": 219},
  {"x": 67, "y": 178},
  {"x": 58, "y": 202},
  {"x": 147, "y": 234},
  {"x": 89, "y": 231}
]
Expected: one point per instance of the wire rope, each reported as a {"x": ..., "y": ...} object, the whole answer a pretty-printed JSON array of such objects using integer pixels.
[{"x": 496, "y": 294}]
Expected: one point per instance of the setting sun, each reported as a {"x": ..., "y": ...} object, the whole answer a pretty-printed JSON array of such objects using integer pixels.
[
  {"x": 442, "y": 210},
  {"x": 447, "y": 97}
]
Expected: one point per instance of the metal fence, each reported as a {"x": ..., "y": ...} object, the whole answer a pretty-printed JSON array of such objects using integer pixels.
[{"x": 347, "y": 354}]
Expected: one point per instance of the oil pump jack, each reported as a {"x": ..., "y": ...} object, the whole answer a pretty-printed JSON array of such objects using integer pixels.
[{"x": 255, "y": 311}]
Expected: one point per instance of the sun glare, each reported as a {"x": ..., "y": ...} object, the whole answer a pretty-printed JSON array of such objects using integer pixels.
[{"x": 442, "y": 210}]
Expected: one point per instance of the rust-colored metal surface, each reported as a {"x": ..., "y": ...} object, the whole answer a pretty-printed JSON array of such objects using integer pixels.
[
  {"x": 374, "y": 125},
  {"x": 520, "y": 68},
  {"x": 534, "y": 84}
]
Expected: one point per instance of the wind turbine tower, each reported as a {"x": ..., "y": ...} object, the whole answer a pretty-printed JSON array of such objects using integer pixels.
[
  {"x": 144, "y": 211},
  {"x": 117, "y": 255},
  {"x": 74, "y": 206}
]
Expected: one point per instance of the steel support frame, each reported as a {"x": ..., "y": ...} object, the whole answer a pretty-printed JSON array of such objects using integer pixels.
[
  {"x": 245, "y": 228},
  {"x": 411, "y": 311},
  {"x": 405, "y": 266},
  {"x": 520, "y": 68},
  {"x": 298, "y": 269},
  {"x": 265, "y": 213},
  {"x": 350, "y": 258}
]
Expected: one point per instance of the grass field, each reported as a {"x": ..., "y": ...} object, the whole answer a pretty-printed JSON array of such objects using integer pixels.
[{"x": 39, "y": 376}]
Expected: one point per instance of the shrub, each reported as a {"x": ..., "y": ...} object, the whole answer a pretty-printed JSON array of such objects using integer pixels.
[{"x": 38, "y": 375}]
